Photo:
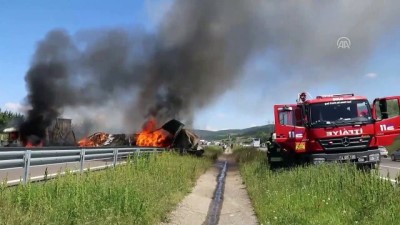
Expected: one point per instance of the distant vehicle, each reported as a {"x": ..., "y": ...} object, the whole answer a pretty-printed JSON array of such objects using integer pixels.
[
  {"x": 59, "y": 133},
  {"x": 10, "y": 138},
  {"x": 383, "y": 151},
  {"x": 395, "y": 155},
  {"x": 256, "y": 142}
]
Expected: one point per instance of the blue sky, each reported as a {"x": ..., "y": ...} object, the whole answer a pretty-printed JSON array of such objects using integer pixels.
[{"x": 248, "y": 103}]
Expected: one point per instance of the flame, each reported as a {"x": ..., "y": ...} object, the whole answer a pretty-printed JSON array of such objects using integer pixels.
[
  {"x": 29, "y": 144},
  {"x": 86, "y": 142},
  {"x": 152, "y": 137},
  {"x": 158, "y": 138},
  {"x": 95, "y": 140}
]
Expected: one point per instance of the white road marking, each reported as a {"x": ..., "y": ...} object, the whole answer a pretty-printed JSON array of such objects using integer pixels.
[
  {"x": 391, "y": 180},
  {"x": 390, "y": 167}
]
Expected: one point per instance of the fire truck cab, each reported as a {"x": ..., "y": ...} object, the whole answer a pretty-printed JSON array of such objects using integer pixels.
[{"x": 338, "y": 127}]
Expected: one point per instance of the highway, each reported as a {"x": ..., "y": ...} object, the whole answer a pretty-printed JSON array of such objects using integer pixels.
[
  {"x": 13, "y": 176},
  {"x": 389, "y": 169}
]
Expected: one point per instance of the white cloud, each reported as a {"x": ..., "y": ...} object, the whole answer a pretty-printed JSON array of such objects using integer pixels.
[
  {"x": 16, "y": 107},
  {"x": 371, "y": 75}
]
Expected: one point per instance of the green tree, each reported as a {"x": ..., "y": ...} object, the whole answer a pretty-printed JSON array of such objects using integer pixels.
[{"x": 7, "y": 116}]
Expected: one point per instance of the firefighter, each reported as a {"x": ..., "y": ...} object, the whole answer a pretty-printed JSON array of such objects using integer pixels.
[
  {"x": 303, "y": 97},
  {"x": 270, "y": 141}
]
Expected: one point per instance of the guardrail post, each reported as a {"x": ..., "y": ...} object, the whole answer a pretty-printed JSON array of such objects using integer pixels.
[
  {"x": 135, "y": 154},
  {"x": 82, "y": 160},
  {"x": 115, "y": 157},
  {"x": 27, "y": 166}
]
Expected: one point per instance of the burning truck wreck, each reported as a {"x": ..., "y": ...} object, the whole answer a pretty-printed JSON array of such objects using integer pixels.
[
  {"x": 171, "y": 135},
  {"x": 58, "y": 133}
]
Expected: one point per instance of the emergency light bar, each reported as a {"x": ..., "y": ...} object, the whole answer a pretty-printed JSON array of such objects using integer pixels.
[{"x": 335, "y": 95}]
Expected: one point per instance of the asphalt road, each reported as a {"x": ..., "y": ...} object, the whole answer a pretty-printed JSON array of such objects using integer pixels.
[
  {"x": 389, "y": 169},
  {"x": 13, "y": 176}
]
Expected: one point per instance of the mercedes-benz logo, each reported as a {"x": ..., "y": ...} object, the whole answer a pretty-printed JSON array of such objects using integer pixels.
[{"x": 345, "y": 141}]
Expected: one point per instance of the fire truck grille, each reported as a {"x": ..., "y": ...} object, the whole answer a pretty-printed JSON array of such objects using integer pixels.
[{"x": 345, "y": 143}]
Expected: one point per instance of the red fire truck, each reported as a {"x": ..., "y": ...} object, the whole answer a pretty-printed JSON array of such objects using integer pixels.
[{"x": 339, "y": 127}]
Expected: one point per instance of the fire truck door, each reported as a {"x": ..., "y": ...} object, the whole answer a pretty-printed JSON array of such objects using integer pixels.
[
  {"x": 288, "y": 127},
  {"x": 386, "y": 112}
]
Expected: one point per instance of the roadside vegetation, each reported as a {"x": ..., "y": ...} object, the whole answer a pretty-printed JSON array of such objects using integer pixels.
[
  {"x": 324, "y": 194},
  {"x": 143, "y": 191},
  {"x": 6, "y": 117},
  {"x": 212, "y": 152}
]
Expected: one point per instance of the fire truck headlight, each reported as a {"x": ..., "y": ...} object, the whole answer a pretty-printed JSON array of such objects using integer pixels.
[{"x": 374, "y": 157}]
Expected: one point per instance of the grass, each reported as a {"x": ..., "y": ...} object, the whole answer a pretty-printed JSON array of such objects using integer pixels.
[
  {"x": 143, "y": 191},
  {"x": 324, "y": 194},
  {"x": 245, "y": 155},
  {"x": 212, "y": 152}
]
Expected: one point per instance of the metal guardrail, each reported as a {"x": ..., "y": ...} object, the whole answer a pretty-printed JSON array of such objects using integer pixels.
[{"x": 26, "y": 158}]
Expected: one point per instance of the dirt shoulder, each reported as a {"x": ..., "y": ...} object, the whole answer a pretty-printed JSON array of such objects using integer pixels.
[
  {"x": 194, "y": 207},
  {"x": 236, "y": 206}
]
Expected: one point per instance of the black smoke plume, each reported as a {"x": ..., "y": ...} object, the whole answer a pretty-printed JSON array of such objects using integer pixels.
[{"x": 197, "y": 53}]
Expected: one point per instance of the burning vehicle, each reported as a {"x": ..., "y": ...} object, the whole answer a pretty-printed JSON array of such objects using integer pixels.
[
  {"x": 103, "y": 139},
  {"x": 59, "y": 133},
  {"x": 171, "y": 135},
  {"x": 183, "y": 140}
]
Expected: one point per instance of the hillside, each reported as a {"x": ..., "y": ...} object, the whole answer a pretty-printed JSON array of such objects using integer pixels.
[{"x": 257, "y": 131}]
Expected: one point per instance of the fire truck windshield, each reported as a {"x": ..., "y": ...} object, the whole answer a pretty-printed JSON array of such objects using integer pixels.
[{"x": 339, "y": 112}]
